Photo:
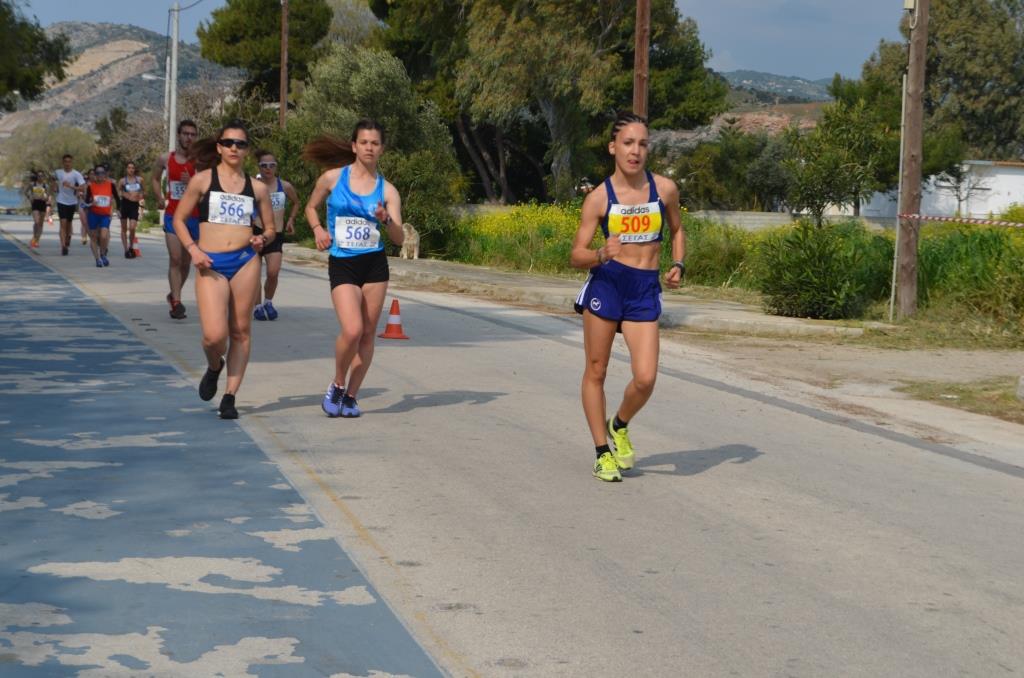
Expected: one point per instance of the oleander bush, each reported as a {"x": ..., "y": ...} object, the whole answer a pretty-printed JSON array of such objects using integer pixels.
[{"x": 831, "y": 272}]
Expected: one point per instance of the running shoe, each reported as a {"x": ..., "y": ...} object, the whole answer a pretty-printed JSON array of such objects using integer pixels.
[
  {"x": 106, "y": 262},
  {"x": 177, "y": 308},
  {"x": 63, "y": 251},
  {"x": 85, "y": 240},
  {"x": 34, "y": 243},
  {"x": 260, "y": 313},
  {"x": 128, "y": 254},
  {"x": 269, "y": 309},
  {"x": 349, "y": 407},
  {"x": 332, "y": 400},
  {"x": 208, "y": 384},
  {"x": 99, "y": 264},
  {"x": 621, "y": 447},
  {"x": 607, "y": 469},
  {"x": 227, "y": 407}
]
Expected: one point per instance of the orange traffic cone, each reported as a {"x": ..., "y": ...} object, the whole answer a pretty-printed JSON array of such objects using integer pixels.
[
  {"x": 136, "y": 249},
  {"x": 394, "y": 327}
]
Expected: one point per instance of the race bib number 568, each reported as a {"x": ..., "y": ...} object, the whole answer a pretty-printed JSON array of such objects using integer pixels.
[
  {"x": 635, "y": 223},
  {"x": 355, "y": 233}
]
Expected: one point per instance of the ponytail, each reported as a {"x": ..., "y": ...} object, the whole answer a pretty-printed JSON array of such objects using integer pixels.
[
  {"x": 203, "y": 153},
  {"x": 328, "y": 151}
]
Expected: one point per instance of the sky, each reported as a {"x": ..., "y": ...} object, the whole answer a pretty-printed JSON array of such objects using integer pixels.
[{"x": 807, "y": 38}]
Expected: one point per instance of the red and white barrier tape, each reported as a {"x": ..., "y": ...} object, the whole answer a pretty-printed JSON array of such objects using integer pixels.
[{"x": 962, "y": 220}]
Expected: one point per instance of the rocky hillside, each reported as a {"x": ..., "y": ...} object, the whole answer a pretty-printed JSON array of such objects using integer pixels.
[{"x": 115, "y": 65}]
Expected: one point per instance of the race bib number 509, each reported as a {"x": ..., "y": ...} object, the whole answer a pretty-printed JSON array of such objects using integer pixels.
[
  {"x": 355, "y": 233},
  {"x": 635, "y": 223}
]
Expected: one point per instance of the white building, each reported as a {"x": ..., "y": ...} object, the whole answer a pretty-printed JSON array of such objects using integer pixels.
[{"x": 987, "y": 189}]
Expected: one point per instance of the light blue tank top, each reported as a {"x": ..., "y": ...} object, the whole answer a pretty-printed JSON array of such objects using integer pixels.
[{"x": 354, "y": 227}]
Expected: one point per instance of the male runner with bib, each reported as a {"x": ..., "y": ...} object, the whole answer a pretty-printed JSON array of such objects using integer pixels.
[{"x": 179, "y": 170}]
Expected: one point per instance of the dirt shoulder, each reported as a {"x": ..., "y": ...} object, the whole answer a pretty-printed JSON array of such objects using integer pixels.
[{"x": 847, "y": 368}]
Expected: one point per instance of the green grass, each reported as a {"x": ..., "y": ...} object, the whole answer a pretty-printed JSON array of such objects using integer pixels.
[{"x": 991, "y": 397}]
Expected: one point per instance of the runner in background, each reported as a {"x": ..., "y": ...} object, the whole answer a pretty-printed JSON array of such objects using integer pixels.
[
  {"x": 130, "y": 187},
  {"x": 38, "y": 195},
  {"x": 68, "y": 182},
  {"x": 83, "y": 209},
  {"x": 101, "y": 197},
  {"x": 359, "y": 202},
  {"x": 180, "y": 169},
  {"x": 632, "y": 208},
  {"x": 281, "y": 192}
]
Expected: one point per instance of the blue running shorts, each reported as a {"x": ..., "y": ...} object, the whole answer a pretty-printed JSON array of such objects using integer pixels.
[
  {"x": 617, "y": 292},
  {"x": 192, "y": 223}
]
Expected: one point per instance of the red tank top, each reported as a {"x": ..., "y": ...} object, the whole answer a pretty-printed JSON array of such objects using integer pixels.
[
  {"x": 176, "y": 183},
  {"x": 102, "y": 198}
]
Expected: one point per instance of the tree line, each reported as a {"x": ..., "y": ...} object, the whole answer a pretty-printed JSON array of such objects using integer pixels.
[{"x": 509, "y": 101}]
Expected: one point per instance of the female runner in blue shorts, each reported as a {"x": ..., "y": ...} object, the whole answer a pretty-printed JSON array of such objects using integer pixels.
[
  {"x": 632, "y": 207},
  {"x": 359, "y": 201},
  {"x": 225, "y": 255}
]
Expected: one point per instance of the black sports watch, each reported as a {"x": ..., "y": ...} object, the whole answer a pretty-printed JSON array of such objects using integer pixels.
[{"x": 680, "y": 265}]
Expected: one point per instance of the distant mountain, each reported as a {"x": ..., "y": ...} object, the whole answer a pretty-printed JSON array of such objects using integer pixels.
[
  {"x": 783, "y": 88},
  {"x": 116, "y": 65}
]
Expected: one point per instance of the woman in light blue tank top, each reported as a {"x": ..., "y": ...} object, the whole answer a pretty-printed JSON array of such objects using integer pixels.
[{"x": 359, "y": 202}]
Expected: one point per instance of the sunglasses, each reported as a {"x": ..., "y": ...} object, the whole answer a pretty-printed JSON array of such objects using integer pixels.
[
  {"x": 268, "y": 165},
  {"x": 240, "y": 144}
]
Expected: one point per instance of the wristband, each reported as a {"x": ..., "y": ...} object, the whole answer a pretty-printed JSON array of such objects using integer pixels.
[
  {"x": 680, "y": 265},
  {"x": 316, "y": 226}
]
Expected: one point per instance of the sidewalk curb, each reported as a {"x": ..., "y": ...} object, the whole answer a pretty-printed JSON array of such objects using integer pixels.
[{"x": 675, "y": 314}]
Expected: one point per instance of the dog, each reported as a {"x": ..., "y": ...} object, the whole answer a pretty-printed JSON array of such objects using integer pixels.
[{"x": 411, "y": 244}]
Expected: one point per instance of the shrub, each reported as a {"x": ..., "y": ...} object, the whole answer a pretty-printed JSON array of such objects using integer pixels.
[
  {"x": 716, "y": 254},
  {"x": 830, "y": 272},
  {"x": 527, "y": 237},
  {"x": 981, "y": 269},
  {"x": 1014, "y": 212}
]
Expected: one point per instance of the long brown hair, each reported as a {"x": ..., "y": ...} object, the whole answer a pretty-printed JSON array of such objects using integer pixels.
[
  {"x": 328, "y": 151},
  {"x": 203, "y": 152}
]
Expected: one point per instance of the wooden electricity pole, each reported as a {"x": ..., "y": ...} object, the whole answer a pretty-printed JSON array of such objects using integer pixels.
[
  {"x": 910, "y": 193},
  {"x": 641, "y": 58},
  {"x": 284, "y": 63}
]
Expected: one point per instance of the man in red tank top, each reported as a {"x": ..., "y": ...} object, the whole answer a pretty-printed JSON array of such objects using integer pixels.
[{"x": 179, "y": 169}]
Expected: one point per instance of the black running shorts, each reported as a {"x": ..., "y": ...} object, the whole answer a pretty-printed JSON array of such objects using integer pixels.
[
  {"x": 359, "y": 270},
  {"x": 66, "y": 211}
]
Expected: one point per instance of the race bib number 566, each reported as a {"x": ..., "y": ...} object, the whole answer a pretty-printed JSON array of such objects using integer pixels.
[
  {"x": 355, "y": 233},
  {"x": 230, "y": 209},
  {"x": 635, "y": 223}
]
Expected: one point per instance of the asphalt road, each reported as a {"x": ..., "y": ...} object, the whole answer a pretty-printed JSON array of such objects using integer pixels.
[{"x": 758, "y": 536}]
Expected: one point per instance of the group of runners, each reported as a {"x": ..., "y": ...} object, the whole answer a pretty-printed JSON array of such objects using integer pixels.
[
  {"x": 223, "y": 222},
  {"x": 93, "y": 197}
]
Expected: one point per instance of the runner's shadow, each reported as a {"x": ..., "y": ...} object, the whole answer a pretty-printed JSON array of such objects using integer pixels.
[
  {"x": 412, "y": 401},
  {"x": 307, "y": 400},
  {"x": 693, "y": 462}
]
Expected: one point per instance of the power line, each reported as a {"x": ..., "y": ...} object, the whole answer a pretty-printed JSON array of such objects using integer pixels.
[{"x": 190, "y": 6}]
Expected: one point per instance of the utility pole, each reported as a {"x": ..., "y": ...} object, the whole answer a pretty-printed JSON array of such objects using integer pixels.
[
  {"x": 641, "y": 57},
  {"x": 172, "y": 114},
  {"x": 284, "y": 63},
  {"x": 910, "y": 172}
]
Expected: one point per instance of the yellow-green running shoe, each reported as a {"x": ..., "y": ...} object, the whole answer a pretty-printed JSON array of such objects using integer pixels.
[
  {"x": 606, "y": 468},
  {"x": 621, "y": 447}
]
